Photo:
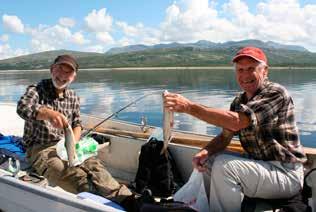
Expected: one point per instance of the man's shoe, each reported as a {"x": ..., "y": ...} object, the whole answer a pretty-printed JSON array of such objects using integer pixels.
[{"x": 134, "y": 202}]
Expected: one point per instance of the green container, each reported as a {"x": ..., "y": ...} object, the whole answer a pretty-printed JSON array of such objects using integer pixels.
[{"x": 87, "y": 147}]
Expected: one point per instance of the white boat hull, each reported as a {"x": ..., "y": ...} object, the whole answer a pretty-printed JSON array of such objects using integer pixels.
[
  {"x": 19, "y": 196},
  {"x": 120, "y": 158}
]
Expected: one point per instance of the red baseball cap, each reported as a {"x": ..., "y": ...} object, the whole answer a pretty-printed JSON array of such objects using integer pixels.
[{"x": 253, "y": 52}]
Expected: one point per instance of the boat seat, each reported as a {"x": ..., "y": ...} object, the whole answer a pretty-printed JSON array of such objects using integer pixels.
[
  {"x": 100, "y": 199},
  {"x": 294, "y": 204}
]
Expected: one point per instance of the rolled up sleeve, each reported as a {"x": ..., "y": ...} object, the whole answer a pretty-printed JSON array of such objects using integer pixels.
[
  {"x": 242, "y": 108},
  {"x": 262, "y": 110}
]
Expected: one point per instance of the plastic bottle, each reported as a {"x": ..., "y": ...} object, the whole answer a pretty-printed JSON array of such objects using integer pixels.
[
  {"x": 85, "y": 148},
  {"x": 91, "y": 147}
]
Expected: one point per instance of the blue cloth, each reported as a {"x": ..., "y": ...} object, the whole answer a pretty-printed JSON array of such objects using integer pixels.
[
  {"x": 12, "y": 144},
  {"x": 12, "y": 147},
  {"x": 99, "y": 199}
]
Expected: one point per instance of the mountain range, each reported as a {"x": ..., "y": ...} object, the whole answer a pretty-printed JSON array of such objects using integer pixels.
[
  {"x": 203, "y": 44},
  {"x": 200, "y": 54}
]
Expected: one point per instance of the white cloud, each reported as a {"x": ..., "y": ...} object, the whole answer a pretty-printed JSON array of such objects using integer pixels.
[
  {"x": 189, "y": 22},
  {"x": 95, "y": 48},
  {"x": 78, "y": 38},
  {"x": 150, "y": 40},
  {"x": 4, "y": 38},
  {"x": 99, "y": 21},
  {"x": 7, "y": 52},
  {"x": 46, "y": 38},
  {"x": 13, "y": 23},
  {"x": 286, "y": 21},
  {"x": 4, "y": 48},
  {"x": 100, "y": 24},
  {"x": 125, "y": 41},
  {"x": 130, "y": 30},
  {"x": 40, "y": 46},
  {"x": 172, "y": 13},
  {"x": 67, "y": 22},
  {"x": 293, "y": 27},
  {"x": 104, "y": 37},
  {"x": 137, "y": 34},
  {"x": 283, "y": 21}
]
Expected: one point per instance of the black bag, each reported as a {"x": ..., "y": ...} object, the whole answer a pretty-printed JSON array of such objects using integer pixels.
[
  {"x": 156, "y": 171},
  {"x": 297, "y": 203},
  {"x": 166, "y": 207},
  {"x": 307, "y": 191},
  {"x": 293, "y": 204}
]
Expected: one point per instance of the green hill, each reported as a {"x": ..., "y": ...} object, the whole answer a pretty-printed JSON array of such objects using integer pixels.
[
  {"x": 40, "y": 60},
  {"x": 176, "y": 55}
]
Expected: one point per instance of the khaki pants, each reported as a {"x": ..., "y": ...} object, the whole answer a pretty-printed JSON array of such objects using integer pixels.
[
  {"x": 90, "y": 176},
  {"x": 231, "y": 177}
]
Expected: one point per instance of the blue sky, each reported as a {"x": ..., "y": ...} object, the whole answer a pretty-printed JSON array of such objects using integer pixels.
[{"x": 34, "y": 26}]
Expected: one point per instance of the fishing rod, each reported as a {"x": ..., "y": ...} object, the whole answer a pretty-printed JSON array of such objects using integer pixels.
[{"x": 116, "y": 113}]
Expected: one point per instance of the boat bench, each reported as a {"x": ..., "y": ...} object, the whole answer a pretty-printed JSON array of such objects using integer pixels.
[
  {"x": 102, "y": 200},
  {"x": 294, "y": 204}
]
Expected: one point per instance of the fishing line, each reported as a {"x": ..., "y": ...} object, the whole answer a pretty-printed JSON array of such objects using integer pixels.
[{"x": 117, "y": 112}]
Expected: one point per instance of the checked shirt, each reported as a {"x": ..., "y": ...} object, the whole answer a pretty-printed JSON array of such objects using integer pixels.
[
  {"x": 272, "y": 134},
  {"x": 43, "y": 94}
]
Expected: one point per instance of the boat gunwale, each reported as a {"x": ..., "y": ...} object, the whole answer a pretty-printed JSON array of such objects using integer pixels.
[
  {"x": 310, "y": 151},
  {"x": 68, "y": 199}
]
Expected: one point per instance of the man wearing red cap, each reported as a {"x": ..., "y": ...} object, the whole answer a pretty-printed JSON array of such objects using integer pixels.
[
  {"x": 263, "y": 117},
  {"x": 47, "y": 108}
]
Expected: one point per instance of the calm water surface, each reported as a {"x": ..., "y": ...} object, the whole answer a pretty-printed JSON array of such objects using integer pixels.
[{"x": 103, "y": 92}]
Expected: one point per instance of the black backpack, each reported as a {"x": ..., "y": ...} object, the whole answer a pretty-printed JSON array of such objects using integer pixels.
[
  {"x": 307, "y": 190},
  {"x": 156, "y": 171}
]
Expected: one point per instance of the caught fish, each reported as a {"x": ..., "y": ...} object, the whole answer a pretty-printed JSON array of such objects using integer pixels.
[
  {"x": 70, "y": 146},
  {"x": 168, "y": 119}
]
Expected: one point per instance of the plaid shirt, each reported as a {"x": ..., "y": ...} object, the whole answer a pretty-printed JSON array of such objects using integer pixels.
[
  {"x": 272, "y": 133},
  {"x": 44, "y": 94}
]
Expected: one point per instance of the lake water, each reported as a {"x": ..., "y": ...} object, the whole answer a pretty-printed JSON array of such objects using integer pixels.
[{"x": 103, "y": 92}]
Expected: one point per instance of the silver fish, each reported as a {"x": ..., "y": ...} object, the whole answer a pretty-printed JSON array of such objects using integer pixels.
[
  {"x": 70, "y": 146},
  {"x": 168, "y": 118}
]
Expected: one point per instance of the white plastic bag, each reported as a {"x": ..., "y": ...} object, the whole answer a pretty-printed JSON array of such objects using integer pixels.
[
  {"x": 193, "y": 193},
  {"x": 81, "y": 155}
]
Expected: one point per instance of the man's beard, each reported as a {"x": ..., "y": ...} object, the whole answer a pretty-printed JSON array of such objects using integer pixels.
[{"x": 60, "y": 87}]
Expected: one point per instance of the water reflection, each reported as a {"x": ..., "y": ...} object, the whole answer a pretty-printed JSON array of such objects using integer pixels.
[{"x": 103, "y": 92}]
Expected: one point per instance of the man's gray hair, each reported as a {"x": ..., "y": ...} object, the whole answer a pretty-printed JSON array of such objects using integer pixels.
[{"x": 263, "y": 64}]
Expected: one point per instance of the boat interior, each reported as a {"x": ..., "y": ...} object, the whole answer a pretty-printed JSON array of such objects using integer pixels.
[{"x": 119, "y": 153}]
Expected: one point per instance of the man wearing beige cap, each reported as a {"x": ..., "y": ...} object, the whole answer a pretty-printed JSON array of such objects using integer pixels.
[
  {"x": 263, "y": 118},
  {"x": 47, "y": 107}
]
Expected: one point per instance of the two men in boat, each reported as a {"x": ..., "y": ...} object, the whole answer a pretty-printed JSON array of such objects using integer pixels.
[
  {"x": 47, "y": 108},
  {"x": 263, "y": 117}
]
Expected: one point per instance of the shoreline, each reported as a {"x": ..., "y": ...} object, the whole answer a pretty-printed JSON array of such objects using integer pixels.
[
  {"x": 192, "y": 68},
  {"x": 168, "y": 68}
]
